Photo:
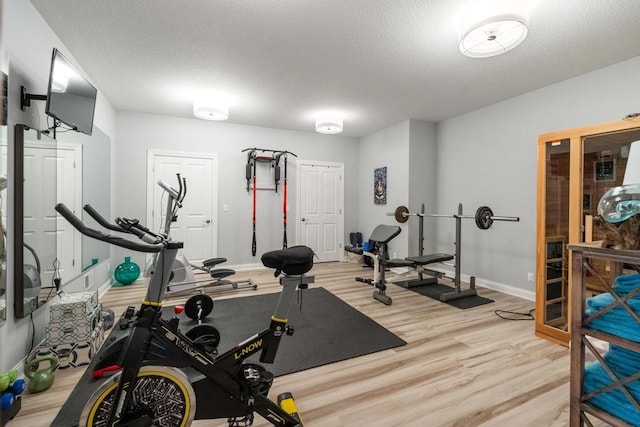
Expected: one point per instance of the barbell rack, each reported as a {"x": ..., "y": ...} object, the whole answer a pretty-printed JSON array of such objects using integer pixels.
[{"x": 484, "y": 219}]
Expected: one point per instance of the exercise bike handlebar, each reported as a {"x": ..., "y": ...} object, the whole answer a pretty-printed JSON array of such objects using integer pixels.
[
  {"x": 101, "y": 220},
  {"x": 108, "y": 238}
]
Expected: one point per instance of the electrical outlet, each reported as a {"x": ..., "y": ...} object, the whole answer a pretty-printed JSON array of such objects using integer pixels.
[
  {"x": 87, "y": 282},
  {"x": 530, "y": 277}
]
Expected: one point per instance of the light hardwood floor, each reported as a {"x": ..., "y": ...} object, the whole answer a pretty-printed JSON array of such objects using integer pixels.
[{"x": 459, "y": 367}]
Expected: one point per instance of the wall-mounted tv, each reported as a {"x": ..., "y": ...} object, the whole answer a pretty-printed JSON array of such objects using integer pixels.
[{"x": 71, "y": 98}]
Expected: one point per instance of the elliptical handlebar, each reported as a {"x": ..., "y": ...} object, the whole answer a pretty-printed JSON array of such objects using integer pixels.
[
  {"x": 170, "y": 190},
  {"x": 114, "y": 240},
  {"x": 179, "y": 194}
]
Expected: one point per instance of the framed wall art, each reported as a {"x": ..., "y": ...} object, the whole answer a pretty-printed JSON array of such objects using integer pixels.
[
  {"x": 380, "y": 186},
  {"x": 604, "y": 170}
]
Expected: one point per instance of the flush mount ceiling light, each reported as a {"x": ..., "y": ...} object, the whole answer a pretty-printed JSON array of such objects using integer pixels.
[
  {"x": 210, "y": 109},
  {"x": 329, "y": 123},
  {"x": 490, "y": 28}
]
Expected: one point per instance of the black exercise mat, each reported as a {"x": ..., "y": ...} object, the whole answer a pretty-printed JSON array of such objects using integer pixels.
[
  {"x": 327, "y": 330},
  {"x": 434, "y": 291}
]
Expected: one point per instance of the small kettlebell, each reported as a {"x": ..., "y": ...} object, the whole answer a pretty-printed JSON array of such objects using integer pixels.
[{"x": 40, "y": 379}]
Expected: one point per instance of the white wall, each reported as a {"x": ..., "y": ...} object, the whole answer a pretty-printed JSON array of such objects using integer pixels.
[
  {"x": 488, "y": 157},
  {"x": 28, "y": 42},
  {"x": 136, "y": 132},
  {"x": 386, "y": 148},
  {"x": 423, "y": 167},
  {"x": 409, "y": 151}
]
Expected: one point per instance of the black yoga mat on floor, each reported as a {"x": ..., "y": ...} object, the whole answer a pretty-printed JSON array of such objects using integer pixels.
[
  {"x": 327, "y": 330},
  {"x": 434, "y": 291}
]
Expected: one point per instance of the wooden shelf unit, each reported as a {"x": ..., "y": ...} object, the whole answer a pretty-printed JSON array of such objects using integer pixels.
[{"x": 582, "y": 254}]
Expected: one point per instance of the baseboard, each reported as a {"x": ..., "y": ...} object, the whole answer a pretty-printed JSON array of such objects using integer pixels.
[{"x": 102, "y": 289}]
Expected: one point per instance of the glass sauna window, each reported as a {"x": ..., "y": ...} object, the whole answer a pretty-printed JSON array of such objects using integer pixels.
[
  {"x": 604, "y": 162},
  {"x": 557, "y": 234}
]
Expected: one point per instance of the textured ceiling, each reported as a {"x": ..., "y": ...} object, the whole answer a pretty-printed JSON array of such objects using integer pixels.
[{"x": 378, "y": 61}]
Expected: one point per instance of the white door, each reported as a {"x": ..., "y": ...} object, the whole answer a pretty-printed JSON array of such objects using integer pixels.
[
  {"x": 54, "y": 242},
  {"x": 197, "y": 219},
  {"x": 320, "y": 204}
]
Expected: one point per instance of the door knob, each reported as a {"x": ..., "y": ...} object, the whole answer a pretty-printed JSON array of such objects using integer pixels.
[
  {"x": 207, "y": 221},
  {"x": 304, "y": 219}
]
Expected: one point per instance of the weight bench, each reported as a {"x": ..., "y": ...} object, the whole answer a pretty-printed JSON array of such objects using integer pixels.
[
  {"x": 378, "y": 241},
  {"x": 217, "y": 274},
  {"x": 418, "y": 263}
]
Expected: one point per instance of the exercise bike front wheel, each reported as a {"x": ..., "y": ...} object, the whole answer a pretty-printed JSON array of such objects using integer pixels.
[{"x": 161, "y": 395}]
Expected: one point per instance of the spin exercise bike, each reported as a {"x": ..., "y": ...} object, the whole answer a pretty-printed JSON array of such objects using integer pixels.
[{"x": 165, "y": 377}]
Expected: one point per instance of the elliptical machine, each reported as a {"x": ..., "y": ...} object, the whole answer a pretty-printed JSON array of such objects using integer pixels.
[
  {"x": 168, "y": 379},
  {"x": 183, "y": 278}
]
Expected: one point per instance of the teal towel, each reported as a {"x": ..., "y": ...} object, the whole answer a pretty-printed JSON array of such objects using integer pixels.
[
  {"x": 626, "y": 283},
  {"x": 617, "y": 321},
  {"x": 614, "y": 401}
]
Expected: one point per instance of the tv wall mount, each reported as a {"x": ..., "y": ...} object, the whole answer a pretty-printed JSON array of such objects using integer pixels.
[{"x": 26, "y": 98}]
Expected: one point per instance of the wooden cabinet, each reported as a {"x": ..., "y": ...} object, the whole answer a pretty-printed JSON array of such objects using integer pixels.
[
  {"x": 584, "y": 329},
  {"x": 575, "y": 168}
]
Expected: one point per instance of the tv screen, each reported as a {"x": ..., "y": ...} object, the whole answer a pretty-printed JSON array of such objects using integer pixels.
[{"x": 71, "y": 99}]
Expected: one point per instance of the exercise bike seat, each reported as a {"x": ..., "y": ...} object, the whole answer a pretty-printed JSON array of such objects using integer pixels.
[
  {"x": 429, "y": 259},
  {"x": 221, "y": 273},
  {"x": 293, "y": 261}
]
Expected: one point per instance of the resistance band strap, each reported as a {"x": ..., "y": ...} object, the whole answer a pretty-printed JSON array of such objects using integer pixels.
[
  {"x": 249, "y": 169},
  {"x": 284, "y": 205},
  {"x": 255, "y": 191}
]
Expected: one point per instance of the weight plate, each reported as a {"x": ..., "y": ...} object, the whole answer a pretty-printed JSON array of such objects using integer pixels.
[
  {"x": 198, "y": 307},
  {"x": 402, "y": 214},
  {"x": 206, "y": 337},
  {"x": 484, "y": 218}
]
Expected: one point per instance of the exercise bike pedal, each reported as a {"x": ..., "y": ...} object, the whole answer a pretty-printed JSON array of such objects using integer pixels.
[
  {"x": 257, "y": 377},
  {"x": 245, "y": 421}
]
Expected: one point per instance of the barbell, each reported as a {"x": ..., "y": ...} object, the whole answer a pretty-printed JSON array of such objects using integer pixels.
[{"x": 484, "y": 216}]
